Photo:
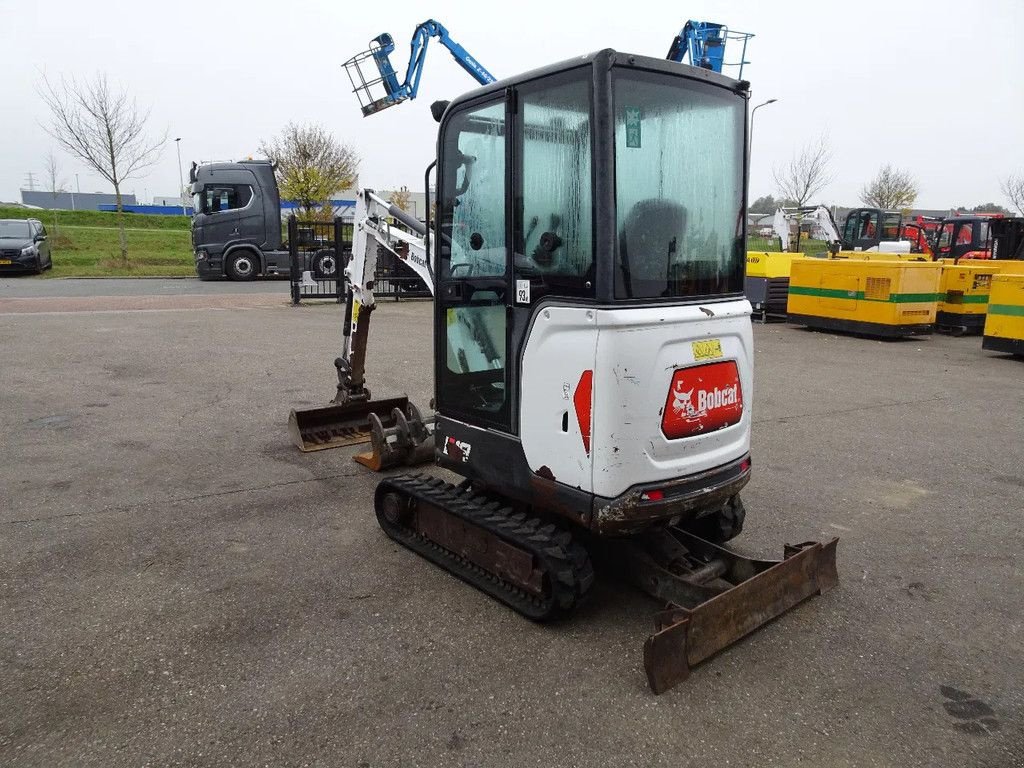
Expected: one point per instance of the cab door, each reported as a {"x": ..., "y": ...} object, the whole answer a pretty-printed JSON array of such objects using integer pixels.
[
  {"x": 473, "y": 298},
  {"x": 862, "y": 229}
]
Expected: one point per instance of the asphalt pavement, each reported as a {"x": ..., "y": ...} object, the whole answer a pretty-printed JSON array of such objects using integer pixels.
[
  {"x": 180, "y": 586},
  {"x": 27, "y": 286}
]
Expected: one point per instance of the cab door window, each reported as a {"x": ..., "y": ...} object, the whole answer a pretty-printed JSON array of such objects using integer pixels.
[
  {"x": 891, "y": 226},
  {"x": 867, "y": 225},
  {"x": 473, "y": 207},
  {"x": 225, "y": 197},
  {"x": 850, "y": 229},
  {"x": 554, "y": 233},
  {"x": 472, "y": 340},
  {"x": 946, "y": 235}
]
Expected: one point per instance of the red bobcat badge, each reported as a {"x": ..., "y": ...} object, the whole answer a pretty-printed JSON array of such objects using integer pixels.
[{"x": 703, "y": 399}]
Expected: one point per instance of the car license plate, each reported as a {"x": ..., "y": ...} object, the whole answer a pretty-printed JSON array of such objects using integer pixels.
[
  {"x": 5, "y": 261},
  {"x": 708, "y": 349}
]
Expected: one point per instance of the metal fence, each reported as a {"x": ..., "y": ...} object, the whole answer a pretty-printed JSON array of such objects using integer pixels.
[
  {"x": 395, "y": 280},
  {"x": 319, "y": 251}
]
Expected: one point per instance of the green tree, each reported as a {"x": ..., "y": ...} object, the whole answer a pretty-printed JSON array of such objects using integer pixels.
[
  {"x": 311, "y": 166},
  {"x": 765, "y": 204},
  {"x": 401, "y": 198}
]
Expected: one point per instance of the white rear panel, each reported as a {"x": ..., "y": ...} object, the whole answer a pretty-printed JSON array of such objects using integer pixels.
[
  {"x": 638, "y": 351},
  {"x": 633, "y": 354}
]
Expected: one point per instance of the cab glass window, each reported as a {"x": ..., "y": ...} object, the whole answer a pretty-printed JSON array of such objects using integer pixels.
[
  {"x": 679, "y": 166},
  {"x": 224, "y": 197},
  {"x": 473, "y": 199},
  {"x": 946, "y": 235},
  {"x": 983, "y": 232},
  {"x": 473, "y": 379},
  {"x": 554, "y": 233},
  {"x": 867, "y": 225},
  {"x": 891, "y": 226}
]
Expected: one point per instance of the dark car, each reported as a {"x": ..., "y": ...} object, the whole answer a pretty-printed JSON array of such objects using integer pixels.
[{"x": 23, "y": 246}]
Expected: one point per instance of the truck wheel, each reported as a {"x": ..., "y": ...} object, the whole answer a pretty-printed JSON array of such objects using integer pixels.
[
  {"x": 325, "y": 265},
  {"x": 723, "y": 525},
  {"x": 242, "y": 266}
]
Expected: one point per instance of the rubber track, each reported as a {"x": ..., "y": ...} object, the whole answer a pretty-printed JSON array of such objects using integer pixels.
[{"x": 564, "y": 561}]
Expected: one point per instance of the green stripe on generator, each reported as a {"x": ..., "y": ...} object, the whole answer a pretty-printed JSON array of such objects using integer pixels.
[
  {"x": 838, "y": 293},
  {"x": 1011, "y": 310}
]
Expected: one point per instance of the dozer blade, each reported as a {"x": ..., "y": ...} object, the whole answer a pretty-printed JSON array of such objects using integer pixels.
[
  {"x": 723, "y": 599},
  {"x": 316, "y": 429}
]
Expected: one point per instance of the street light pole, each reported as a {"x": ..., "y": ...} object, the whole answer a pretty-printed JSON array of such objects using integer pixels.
[
  {"x": 750, "y": 144},
  {"x": 181, "y": 178}
]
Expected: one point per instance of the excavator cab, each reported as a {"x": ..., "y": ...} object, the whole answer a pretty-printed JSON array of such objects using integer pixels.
[
  {"x": 963, "y": 237},
  {"x": 866, "y": 229},
  {"x": 572, "y": 201}
]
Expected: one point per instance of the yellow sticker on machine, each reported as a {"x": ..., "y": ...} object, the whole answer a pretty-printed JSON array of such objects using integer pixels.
[
  {"x": 450, "y": 316},
  {"x": 708, "y": 349},
  {"x": 355, "y": 311}
]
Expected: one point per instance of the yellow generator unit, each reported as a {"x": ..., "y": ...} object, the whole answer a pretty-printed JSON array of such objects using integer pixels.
[
  {"x": 875, "y": 298},
  {"x": 1009, "y": 266},
  {"x": 767, "y": 283},
  {"x": 875, "y": 256},
  {"x": 1004, "y": 324},
  {"x": 963, "y": 295}
]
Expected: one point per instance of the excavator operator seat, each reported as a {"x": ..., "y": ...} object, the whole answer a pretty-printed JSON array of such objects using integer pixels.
[{"x": 652, "y": 240}]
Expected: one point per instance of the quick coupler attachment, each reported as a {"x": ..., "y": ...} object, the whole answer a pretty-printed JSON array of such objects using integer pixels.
[
  {"x": 406, "y": 439},
  {"x": 716, "y": 597}
]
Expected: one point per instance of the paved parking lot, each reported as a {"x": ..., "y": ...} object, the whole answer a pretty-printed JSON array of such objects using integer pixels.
[
  {"x": 180, "y": 586},
  {"x": 26, "y": 286}
]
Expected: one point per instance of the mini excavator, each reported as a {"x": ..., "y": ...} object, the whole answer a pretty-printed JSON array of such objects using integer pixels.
[{"x": 593, "y": 354}]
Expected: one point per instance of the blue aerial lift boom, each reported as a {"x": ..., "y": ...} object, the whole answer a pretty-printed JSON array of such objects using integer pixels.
[
  {"x": 378, "y": 87},
  {"x": 383, "y": 88},
  {"x": 704, "y": 42}
]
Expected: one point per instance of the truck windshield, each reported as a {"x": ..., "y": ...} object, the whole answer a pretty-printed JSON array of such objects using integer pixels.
[{"x": 679, "y": 166}]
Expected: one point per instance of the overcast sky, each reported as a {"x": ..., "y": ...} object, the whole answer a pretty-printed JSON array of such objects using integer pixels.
[{"x": 933, "y": 87}]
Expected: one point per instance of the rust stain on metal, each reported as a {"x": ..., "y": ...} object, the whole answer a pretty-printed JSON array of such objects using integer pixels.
[
  {"x": 716, "y": 597},
  {"x": 546, "y": 473}
]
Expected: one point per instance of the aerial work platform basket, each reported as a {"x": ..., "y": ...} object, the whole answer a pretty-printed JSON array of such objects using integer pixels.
[{"x": 374, "y": 81}]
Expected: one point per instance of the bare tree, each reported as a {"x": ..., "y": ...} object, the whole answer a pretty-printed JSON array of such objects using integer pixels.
[
  {"x": 807, "y": 173},
  {"x": 105, "y": 129},
  {"x": 54, "y": 182},
  {"x": 311, "y": 165},
  {"x": 891, "y": 189},
  {"x": 1013, "y": 188}
]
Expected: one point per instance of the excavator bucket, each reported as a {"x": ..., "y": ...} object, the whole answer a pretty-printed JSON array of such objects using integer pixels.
[
  {"x": 716, "y": 597},
  {"x": 316, "y": 429}
]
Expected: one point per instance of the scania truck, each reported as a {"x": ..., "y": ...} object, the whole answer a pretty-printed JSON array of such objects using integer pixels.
[{"x": 236, "y": 224}]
